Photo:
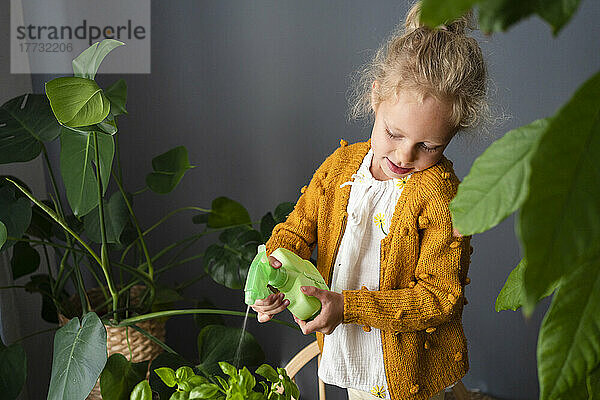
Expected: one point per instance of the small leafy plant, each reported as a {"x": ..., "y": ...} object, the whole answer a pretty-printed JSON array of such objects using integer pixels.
[{"x": 239, "y": 386}]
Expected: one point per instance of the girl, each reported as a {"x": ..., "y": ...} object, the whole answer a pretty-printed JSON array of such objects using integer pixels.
[{"x": 378, "y": 211}]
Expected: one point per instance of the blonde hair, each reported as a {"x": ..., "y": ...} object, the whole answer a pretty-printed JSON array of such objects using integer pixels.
[{"x": 442, "y": 62}]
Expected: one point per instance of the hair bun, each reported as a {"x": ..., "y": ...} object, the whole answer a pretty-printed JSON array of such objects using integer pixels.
[{"x": 458, "y": 26}]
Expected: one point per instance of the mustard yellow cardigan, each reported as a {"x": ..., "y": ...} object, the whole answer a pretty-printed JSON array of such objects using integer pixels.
[{"x": 424, "y": 267}]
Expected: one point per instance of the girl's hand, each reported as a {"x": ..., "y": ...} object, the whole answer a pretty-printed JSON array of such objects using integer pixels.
[
  {"x": 272, "y": 304},
  {"x": 331, "y": 315}
]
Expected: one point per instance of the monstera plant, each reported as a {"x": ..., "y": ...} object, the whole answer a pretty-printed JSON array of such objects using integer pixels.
[
  {"x": 548, "y": 170},
  {"x": 96, "y": 236}
]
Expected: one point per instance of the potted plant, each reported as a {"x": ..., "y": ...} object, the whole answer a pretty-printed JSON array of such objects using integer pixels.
[{"x": 99, "y": 236}]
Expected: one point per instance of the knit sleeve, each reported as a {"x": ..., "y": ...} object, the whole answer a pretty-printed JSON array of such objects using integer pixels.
[
  {"x": 436, "y": 292},
  {"x": 298, "y": 233}
]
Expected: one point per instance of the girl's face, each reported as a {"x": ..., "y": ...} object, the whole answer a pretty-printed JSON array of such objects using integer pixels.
[{"x": 408, "y": 135}]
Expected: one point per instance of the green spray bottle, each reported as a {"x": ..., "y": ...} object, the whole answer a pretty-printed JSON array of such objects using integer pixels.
[{"x": 294, "y": 273}]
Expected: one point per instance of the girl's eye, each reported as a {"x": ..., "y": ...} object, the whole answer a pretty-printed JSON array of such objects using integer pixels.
[
  {"x": 430, "y": 149},
  {"x": 389, "y": 134}
]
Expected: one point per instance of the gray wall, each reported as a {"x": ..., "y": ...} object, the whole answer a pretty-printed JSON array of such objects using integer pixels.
[{"x": 257, "y": 93}]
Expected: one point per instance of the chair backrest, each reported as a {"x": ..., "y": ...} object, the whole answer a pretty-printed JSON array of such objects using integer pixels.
[{"x": 301, "y": 359}]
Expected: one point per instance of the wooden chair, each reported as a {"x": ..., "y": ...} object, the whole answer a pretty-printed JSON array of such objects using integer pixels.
[
  {"x": 309, "y": 352},
  {"x": 301, "y": 359}
]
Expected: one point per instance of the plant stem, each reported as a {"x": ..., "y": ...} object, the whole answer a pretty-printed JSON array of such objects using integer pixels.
[
  {"x": 169, "y": 313},
  {"x": 52, "y": 214},
  {"x": 145, "y": 188},
  {"x": 170, "y": 214},
  {"x": 191, "y": 282},
  {"x": 147, "y": 231},
  {"x": 118, "y": 157},
  {"x": 185, "y": 260},
  {"x": 85, "y": 301},
  {"x": 12, "y": 287},
  {"x": 137, "y": 227},
  {"x": 103, "y": 248}
]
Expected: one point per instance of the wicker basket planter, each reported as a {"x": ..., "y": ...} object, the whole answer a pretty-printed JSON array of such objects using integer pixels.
[{"x": 142, "y": 348}]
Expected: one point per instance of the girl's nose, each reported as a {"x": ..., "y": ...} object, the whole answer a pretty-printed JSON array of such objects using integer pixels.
[{"x": 405, "y": 154}]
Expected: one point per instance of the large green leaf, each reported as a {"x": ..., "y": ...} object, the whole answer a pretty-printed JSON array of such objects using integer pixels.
[
  {"x": 228, "y": 263},
  {"x": 13, "y": 370},
  {"x": 512, "y": 295},
  {"x": 77, "y": 101},
  {"x": 120, "y": 376},
  {"x": 25, "y": 259},
  {"x": 78, "y": 359},
  {"x": 86, "y": 64},
  {"x": 569, "y": 340},
  {"x": 557, "y": 12},
  {"x": 499, "y": 15},
  {"x": 15, "y": 211},
  {"x": 25, "y": 122},
  {"x": 436, "y": 12},
  {"x": 498, "y": 182},
  {"x": 169, "y": 168},
  {"x": 226, "y": 212},
  {"x": 116, "y": 216},
  {"x": 559, "y": 224},
  {"x": 219, "y": 343},
  {"x": 117, "y": 94},
  {"x": 77, "y": 160}
]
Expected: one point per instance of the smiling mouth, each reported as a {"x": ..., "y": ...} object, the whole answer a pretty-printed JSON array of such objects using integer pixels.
[{"x": 396, "y": 169}]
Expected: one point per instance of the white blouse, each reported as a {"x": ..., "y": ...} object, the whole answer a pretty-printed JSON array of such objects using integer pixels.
[{"x": 353, "y": 358}]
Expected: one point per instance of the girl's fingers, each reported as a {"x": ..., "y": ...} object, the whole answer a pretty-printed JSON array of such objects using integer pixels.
[
  {"x": 273, "y": 308},
  {"x": 263, "y": 317}
]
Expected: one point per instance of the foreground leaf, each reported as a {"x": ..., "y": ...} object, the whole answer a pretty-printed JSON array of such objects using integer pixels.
[
  {"x": 77, "y": 102},
  {"x": 559, "y": 224},
  {"x": 120, "y": 376},
  {"x": 86, "y": 64},
  {"x": 512, "y": 295},
  {"x": 498, "y": 182},
  {"x": 219, "y": 343},
  {"x": 13, "y": 370},
  {"x": 25, "y": 122},
  {"x": 169, "y": 168},
  {"x": 77, "y": 160},
  {"x": 78, "y": 359},
  {"x": 437, "y": 12},
  {"x": 569, "y": 335}
]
